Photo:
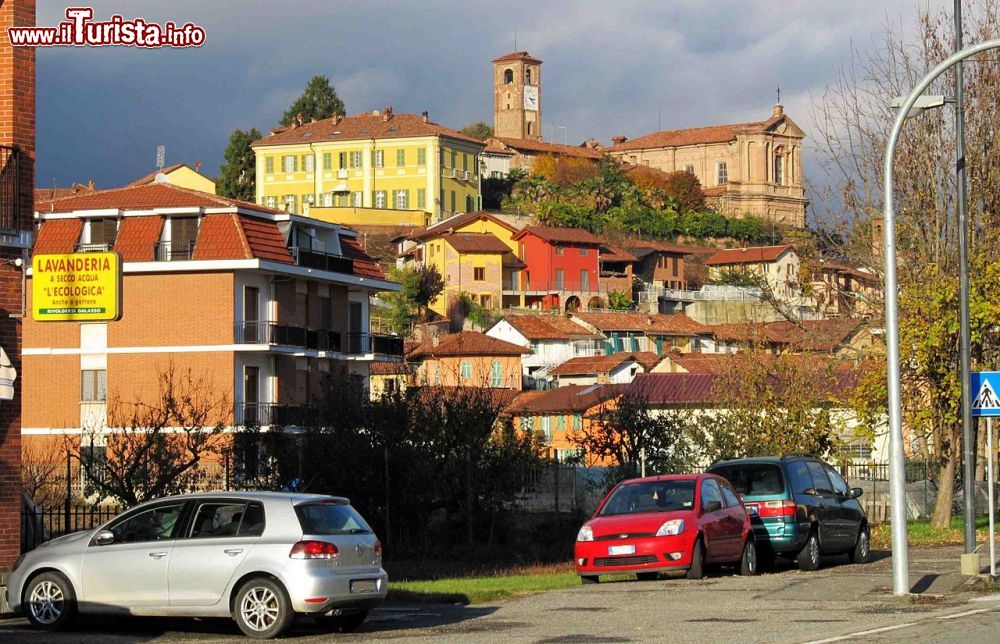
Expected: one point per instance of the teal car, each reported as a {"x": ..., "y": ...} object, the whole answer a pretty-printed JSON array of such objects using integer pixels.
[{"x": 800, "y": 508}]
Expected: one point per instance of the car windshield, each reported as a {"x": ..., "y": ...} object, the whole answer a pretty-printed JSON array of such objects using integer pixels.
[
  {"x": 330, "y": 518},
  {"x": 753, "y": 479},
  {"x": 650, "y": 496}
]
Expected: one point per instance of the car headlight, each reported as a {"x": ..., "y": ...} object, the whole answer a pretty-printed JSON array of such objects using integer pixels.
[
  {"x": 671, "y": 528},
  {"x": 586, "y": 534}
]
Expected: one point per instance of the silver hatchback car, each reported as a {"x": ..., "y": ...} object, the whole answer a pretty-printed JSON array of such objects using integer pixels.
[{"x": 259, "y": 557}]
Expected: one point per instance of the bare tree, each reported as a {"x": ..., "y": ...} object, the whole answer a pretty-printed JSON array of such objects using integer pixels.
[
  {"x": 43, "y": 477},
  {"x": 154, "y": 446}
]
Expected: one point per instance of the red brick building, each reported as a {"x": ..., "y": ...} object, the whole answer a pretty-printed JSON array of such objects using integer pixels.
[{"x": 17, "y": 159}]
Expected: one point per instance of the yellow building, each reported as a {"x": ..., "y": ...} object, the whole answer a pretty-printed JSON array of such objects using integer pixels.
[
  {"x": 341, "y": 168},
  {"x": 476, "y": 255},
  {"x": 182, "y": 176}
]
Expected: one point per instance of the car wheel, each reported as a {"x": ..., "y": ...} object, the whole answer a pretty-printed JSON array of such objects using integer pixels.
[
  {"x": 49, "y": 602},
  {"x": 808, "y": 557},
  {"x": 697, "y": 569},
  {"x": 589, "y": 579},
  {"x": 342, "y": 623},
  {"x": 262, "y": 609},
  {"x": 647, "y": 576},
  {"x": 748, "y": 562},
  {"x": 862, "y": 547}
]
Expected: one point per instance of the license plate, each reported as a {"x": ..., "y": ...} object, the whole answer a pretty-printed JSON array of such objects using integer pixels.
[
  {"x": 364, "y": 586},
  {"x": 621, "y": 550}
]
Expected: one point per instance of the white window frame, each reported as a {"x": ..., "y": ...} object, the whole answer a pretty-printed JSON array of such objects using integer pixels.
[
  {"x": 289, "y": 163},
  {"x": 357, "y": 199},
  {"x": 310, "y": 163},
  {"x": 721, "y": 173},
  {"x": 356, "y": 159},
  {"x": 379, "y": 160},
  {"x": 401, "y": 199},
  {"x": 380, "y": 199}
]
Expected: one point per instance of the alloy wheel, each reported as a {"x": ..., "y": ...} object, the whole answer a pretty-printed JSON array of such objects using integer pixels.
[
  {"x": 751, "y": 557},
  {"x": 259, "y": 608},
  {"x": 46, "y": 602},
  {"x": 814, "y": 550},
  {"x": 864, "y": 545}
]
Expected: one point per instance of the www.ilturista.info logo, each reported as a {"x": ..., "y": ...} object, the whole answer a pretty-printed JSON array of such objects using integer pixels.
[{"x": 79, "y": 30}]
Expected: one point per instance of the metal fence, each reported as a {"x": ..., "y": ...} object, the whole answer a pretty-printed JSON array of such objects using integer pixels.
[
  {"x": 873, "y": 479},
  {"x": 39, "y": 525}
]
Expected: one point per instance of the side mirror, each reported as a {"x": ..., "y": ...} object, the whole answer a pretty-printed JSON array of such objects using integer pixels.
[
  {"x": 713, "y": 506},
  {"x": 856, "y": 492},
  {"x": 104, "y": 538}
]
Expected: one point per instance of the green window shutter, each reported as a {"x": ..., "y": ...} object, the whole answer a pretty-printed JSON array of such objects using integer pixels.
[
  {"x": 406, "y": 199},
  {"x": 560, "y": 422},
  {"x": 466, "y": 370},
  {"x": 269, "y": 165},
  {"x": 342, "y": 160},
  {"x": 304, "y": 162},
  {"x": 295, "y": 163},
  {"x": 421, "y": 197},
  {"x": 421, "y": 156},
  {"x": 577, "y": 421},
  {"x": 327, "y": 161},
  {"x": 400, "y": 157}
]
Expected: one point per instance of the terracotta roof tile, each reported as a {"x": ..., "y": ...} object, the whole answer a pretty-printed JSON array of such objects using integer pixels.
[
  {"x": 573, "y": 398},
  {"x": 456, "y": 222},
  {"x": 696, "y": 362},
  {"x": 517, "y": 55},
  {"x": 592, "y": 364},
  {"x": 543, "y": 147},
  {"x": 675, "y": 388},
  {"x": 361, "y": 126},
  {"x": 220, "y": 237},
  {"x": 467, "y": 343},
  {"x": 616, "y": 254},
  {"x": 473, "y": 243},
  {"x": 137, "y": 237},
  {"x": 384, "y": 368},
  {"x": 555, "y": 235},
  {"x": 655, "y": 323},
  {"x": 802, "y": 335},
  {"x": 58, "y": 236},
  {"x": 548, "y": 327},
  {"x": 149, "y": 178},
  {"x": 750, "y": 255},
  {"x": 364, "y": 265},
  {"x": 144, "y": 197},
  {"x": 636, "y": 245},
  {"x": 265, "y": 240},
  {"x": 693, "y": 136}
]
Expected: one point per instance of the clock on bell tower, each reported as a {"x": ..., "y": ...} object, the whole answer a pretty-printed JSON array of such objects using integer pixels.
[{"x": 517, "y": 96}]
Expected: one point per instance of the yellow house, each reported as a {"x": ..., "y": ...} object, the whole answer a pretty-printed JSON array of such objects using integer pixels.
[
  {"x": 182, "y": 176},
  {"x": 374, "y": 167},
  {"x": 475, "y": 253}
]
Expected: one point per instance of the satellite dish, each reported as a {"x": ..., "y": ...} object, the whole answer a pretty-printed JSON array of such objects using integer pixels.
[{"x": 161, "y": 178}]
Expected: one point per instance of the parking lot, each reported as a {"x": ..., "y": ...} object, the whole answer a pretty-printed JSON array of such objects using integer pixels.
[{"x": 783, "y": 605}]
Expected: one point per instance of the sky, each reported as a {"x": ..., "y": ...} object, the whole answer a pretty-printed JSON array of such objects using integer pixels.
[{"x": 610, "y": 68}]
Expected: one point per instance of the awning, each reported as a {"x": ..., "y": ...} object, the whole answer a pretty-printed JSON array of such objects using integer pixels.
[
  {"x": 340, "y": 188},
  {"x": 7, "y": 377}
]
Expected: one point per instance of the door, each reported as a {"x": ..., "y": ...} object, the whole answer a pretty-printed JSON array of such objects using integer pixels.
[
  {"x": 251, "y": 315},
  {"x": 849, "y": 512},
  {"x": 734, "y": 521},
  {"x": 217, "y": 541},
  {"x": 830, "y": 533},
  {"x": 585, "y": 281},
  {"x": 717, "y": 539},
  {"x": 183, "y": 233},
  {"x": 132, "y": 570},
  {"x": 251, "y": 396}
]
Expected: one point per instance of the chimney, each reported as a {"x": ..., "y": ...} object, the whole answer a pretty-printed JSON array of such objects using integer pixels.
[
  {"x": 387, "y": 113},
  {"x": 779, "y": 110},
  {"x": 435, "y": 341},
  {"x": 298, "y": 120},
  {"x": 425, "y": 116},
  {"x": 618, "y": 140},
  {"x": 336, "y": 118}
]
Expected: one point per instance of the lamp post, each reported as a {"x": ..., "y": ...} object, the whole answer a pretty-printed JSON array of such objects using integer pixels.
[{"x": 897, "y": 488}]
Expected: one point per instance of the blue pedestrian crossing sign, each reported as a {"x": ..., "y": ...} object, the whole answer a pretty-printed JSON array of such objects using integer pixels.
[{"x": 985, "y": 385}]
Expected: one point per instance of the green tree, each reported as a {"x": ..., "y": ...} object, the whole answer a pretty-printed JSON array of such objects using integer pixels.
[
  {"x": 480, "y": 130},
  {"x": 238, "y": 175},
  {"x": 420, "y": 287},
  {"x": 619, "y": 301},
  {"x": 318, "y": 101}
]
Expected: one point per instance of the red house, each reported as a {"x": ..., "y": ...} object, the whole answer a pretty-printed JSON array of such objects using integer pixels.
[{"x": 561, "y": 269}]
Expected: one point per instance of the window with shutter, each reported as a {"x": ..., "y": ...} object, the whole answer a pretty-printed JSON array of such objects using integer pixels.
[
  {"x": 379, "y": 158},
  {"x": 421, "y": 156},
  {"x": 103, "y": 231},
  {"x": 421, "y": 197},
  {"x": 269, "y": 165},
  {"x": 327, "y": 160},
  {"x": 401, "y": 158},
  {"x": 342, "y": 160}
]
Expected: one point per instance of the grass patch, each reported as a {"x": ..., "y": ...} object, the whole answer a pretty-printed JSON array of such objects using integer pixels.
[
  {"x": 478, "y": 590},
  {"x": 921, "y": 533}
]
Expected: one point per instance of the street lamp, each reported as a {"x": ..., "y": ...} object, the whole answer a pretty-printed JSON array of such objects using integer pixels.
[{"x": 897, "y": 480}]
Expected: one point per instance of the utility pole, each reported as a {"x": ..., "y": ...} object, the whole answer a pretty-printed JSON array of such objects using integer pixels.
[{"x": 965, "y": 358}]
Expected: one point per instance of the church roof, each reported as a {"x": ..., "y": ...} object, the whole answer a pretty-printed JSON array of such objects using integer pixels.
[
  {"x": 703, "y": 135},
  {"x": 517, "y": 55},
  {"x": 543, "y": 147}
]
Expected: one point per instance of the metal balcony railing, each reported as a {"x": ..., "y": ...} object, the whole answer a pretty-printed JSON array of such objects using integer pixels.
[
  {"x": 93, "y": 248},
  {"x": 363, "y": 343},
  {"x": 173, "y": 251},
  {"x": 10, "y": 189},
  {"x": 322, "y": 261},
  {"x": 264, "y": 332},
  {"x": 258, "y": 414}
]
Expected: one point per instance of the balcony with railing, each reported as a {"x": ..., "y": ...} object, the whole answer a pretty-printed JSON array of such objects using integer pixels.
[
  {"x": 11, "y": 210},
  {"x": 379, "y": 344},
  {"x": 272, "y": 333},
  {"x": 94, "y": 248},
  {"x": 173, "y": 251},
  {"x": 323, "y": 261},
  {"x": 259, "y": 414}
]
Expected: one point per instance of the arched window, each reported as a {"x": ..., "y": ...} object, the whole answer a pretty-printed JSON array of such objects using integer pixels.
[
  {"x": 508, "y": 76},
  {"x": 779, "y": 175},
  {"x": 529, "y": 128},
  {"x": 527, "y": 76}
]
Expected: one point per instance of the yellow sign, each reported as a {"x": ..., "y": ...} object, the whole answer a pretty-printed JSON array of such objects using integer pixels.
[{"x": 78, "y": 287}]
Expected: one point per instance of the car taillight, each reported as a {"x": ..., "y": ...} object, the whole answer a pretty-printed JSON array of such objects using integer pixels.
[
  {"x": 786, "y": 508},
  {"x": 313, "y": 550},
  {"x": 378, "y": 547}
]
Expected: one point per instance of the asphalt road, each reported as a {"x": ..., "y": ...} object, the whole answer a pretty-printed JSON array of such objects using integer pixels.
[{"x": 840, "y": 602}]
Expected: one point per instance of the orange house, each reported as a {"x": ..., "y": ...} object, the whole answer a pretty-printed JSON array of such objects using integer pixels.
[
  {"x": 555, "y": 415},
  {"x": 468, "y": 359}
]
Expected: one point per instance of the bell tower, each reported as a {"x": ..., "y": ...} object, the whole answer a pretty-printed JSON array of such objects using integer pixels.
[{"x": 517, "y": 96}]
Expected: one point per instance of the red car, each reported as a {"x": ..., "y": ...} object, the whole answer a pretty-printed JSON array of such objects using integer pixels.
[{"x": 678, "y": 522}]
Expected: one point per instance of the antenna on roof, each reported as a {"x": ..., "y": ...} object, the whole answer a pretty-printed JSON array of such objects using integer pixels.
[
  {"x": 779, "y": 94},
  {"x": 515, "y": 40},
  {"x": 161, "y": 156},
  {"x": 659, "y": 119}
]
